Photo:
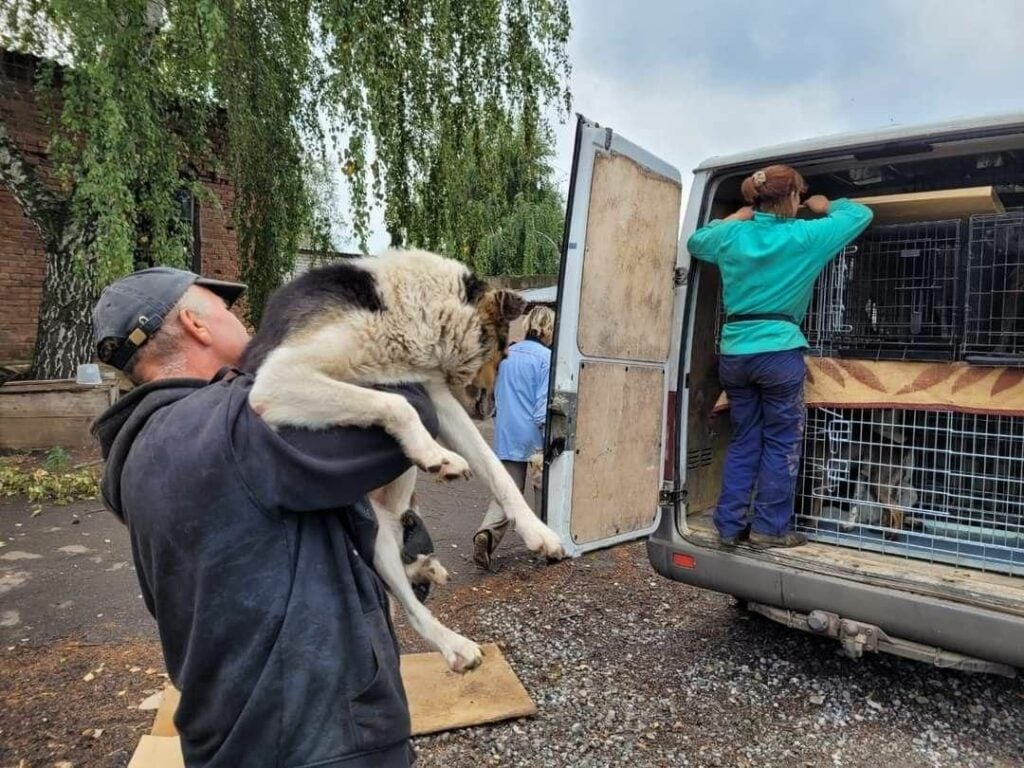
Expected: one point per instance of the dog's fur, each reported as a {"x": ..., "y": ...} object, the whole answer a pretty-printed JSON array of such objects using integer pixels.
[
  {"x": 884, "y": 475},
  {"x": 480, "y": 394},
  {"x": 403, "y": 317},
  {"x": 422, "y": 567},
  {"x": 535, "y": 470},
  {"x": 881, "y": 488}
]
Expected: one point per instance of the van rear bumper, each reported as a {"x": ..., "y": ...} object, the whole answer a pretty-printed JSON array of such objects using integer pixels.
[{"x": 953, "y": 626}]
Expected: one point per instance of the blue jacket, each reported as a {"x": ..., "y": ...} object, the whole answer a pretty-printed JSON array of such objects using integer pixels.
[
  {"x": 253, "y": 549},
  {"x": 520, "y": 398}
]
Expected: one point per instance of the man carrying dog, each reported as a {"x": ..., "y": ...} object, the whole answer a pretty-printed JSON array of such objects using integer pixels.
[{"x": 253, "y": 548}]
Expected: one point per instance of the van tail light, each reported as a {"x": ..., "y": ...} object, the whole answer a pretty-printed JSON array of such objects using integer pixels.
[{"x": 684, "y": 561}]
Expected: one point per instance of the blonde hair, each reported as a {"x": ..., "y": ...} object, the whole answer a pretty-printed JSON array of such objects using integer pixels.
[{"x": 540, "y": 324}]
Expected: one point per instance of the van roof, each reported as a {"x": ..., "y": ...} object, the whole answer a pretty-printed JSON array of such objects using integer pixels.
[{"x": 888, "y": 134}]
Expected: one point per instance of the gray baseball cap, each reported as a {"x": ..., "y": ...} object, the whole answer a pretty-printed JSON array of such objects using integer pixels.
[{"x": 133, "y": 308}]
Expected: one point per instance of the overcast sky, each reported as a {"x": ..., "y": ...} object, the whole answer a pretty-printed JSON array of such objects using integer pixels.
[{"x": 687, "y": 79}]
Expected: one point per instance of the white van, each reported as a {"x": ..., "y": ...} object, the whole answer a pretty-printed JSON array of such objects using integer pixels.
[{"x": 637, "y": 428}]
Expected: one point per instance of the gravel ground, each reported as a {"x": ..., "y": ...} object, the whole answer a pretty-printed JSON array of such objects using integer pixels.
[{"x": 629, "y": 669}]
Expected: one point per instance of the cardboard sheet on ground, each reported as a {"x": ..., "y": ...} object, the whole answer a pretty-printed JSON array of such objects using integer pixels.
[
  {"x": 439, "y": 700},
  {"x": 157, "y": 752}
]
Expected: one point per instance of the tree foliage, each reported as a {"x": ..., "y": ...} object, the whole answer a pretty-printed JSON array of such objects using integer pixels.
[
  {"x": 151, "y": 90},
  {"x": 493, "y": 204}
]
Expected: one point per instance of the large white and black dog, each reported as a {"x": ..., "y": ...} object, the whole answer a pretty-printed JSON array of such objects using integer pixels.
[{"x": 403, "y": 317}]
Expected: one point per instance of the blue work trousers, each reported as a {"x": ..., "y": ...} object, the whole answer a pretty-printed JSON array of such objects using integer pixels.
[{"x": 766, "y": 403}]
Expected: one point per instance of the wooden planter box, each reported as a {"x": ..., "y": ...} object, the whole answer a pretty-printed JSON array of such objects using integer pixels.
[{"x": 38, "y": 415}]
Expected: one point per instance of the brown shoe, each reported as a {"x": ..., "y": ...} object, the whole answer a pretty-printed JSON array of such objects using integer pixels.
[
  {"x": 788, "y": 539},
  {"x": 730, "y": 542},
  {"x": 482, "y": 550}
]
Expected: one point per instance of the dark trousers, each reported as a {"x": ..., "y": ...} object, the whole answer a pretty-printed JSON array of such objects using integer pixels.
[{"x": 766, "y": 403}]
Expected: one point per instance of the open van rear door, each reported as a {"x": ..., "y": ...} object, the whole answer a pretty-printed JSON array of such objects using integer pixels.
[{"x": 610, "y": 364}]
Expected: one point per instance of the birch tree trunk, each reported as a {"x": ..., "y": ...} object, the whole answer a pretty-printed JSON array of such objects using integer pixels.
[{"x": 64, "y": 332}]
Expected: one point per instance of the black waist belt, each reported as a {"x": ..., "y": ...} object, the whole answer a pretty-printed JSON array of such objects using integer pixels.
[{"x": 761, "y": 316}]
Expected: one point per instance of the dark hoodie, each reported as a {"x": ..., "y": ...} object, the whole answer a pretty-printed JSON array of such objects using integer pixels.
[{"x": 253, "y": 551}]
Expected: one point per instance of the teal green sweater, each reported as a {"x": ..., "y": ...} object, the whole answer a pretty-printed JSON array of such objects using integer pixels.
[{"x": 769, "y": 265}]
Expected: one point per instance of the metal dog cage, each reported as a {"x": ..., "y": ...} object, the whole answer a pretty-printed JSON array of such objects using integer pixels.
[
  {"x": 826, "y": 317},
  {"x": 892, "y": 295},
  {"x": 994, "y": 322},
  {"x": 936, "y": 486}
]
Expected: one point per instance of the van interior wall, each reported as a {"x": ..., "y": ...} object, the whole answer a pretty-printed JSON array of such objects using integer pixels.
[{"x": 708, "y": 433}]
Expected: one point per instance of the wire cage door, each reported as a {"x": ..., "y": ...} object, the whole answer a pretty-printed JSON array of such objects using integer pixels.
[
  {"x": 936, "y": 486},
  {"x": 899, "y": 299},
  {"x": 994, "y": 323}
]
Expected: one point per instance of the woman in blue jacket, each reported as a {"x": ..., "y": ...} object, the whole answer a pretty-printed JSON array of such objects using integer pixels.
[
  {"x": 520, "y": 398},
  {"x": 769, "y": 261}
]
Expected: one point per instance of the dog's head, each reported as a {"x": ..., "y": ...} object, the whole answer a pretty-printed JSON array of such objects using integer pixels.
[{"x": 496, "y": 309}]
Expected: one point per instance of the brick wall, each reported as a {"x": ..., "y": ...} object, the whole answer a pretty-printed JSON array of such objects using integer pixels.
[{"x": 21, "y": 252}]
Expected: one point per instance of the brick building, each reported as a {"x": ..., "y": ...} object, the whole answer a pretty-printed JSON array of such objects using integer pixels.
[{"x": 214, "y": 252}]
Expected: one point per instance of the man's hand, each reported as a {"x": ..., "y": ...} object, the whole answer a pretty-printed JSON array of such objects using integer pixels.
[
  {"x": 817, "y": 204},
  {"x": 746, "y": 213}
]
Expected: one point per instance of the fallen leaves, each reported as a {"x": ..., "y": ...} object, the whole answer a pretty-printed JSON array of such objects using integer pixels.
[{"x": 91, "y": 675}]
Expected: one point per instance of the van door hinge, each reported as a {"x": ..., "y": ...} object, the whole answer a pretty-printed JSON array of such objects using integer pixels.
[
  {"x": 680, "y": 276},
  {"x": 562, "y": 415},
  {"x": 671, "y": 497}
]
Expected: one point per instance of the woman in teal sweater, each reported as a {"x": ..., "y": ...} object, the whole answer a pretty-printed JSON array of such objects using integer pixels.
[{"x": 769, "y": 261}]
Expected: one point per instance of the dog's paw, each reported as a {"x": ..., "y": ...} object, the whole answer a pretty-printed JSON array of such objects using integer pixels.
[
  {"x": 542, "y": 540},
  {"x": 448, "y": 465},
  {"x": 435, "y": 572},
  {"x": 426, "y": 569},
  {"x": 462, "y": 654}
]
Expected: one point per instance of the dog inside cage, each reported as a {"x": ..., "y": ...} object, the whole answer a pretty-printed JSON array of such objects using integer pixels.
[
  {"x": 939, "y": 486},
  {"x": 994, "y": 326}
]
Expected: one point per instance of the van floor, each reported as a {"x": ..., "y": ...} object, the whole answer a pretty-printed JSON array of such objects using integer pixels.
[{"x": 977, "y": 588}]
